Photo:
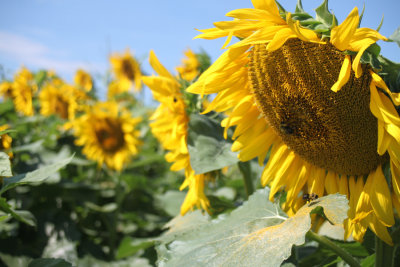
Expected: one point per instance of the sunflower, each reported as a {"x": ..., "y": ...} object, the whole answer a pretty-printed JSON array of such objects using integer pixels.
[
  {"x": 83, "y": 80},
  {"x": 127, "y": 70},
  {"x": 298, "y": 90},
  {"x": 5, "y": 139},
  {"x": 190, "y": 66},
  {"x": 6, "y": 89},
  {"x": 23, "y": 90},
  {"x": 107, "y": 134},
  {"x": 170, "y": 127},
  {"x": 116, "y": 88},
  {"x": 55, "y": 99}
]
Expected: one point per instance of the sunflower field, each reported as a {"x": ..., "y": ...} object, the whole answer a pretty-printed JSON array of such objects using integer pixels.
[{"x": 284, "y": 151}]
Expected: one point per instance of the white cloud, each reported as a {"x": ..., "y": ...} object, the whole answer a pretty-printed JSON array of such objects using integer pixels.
[{"x": 28, "y": 52}]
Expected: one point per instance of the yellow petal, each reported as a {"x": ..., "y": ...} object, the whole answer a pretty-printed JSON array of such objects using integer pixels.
[
  {"x": 158, "y": 67},
  {"x": 379, "y": 193},
  {"x": 344, "y": 74},
  {"x": 342, "y": 34},
  {"x": 380, "y": 230}
]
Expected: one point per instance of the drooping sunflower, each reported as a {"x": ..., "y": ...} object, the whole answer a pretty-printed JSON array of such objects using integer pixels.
[
  {"x": 54, "y": 99},
  {"x": 298, "y": 88},
  {"x": 190, "y": 66},
  {"x": 107, "y": 134},
  {"x": 170, "y": 127},
  {"x": 23, "y": 89},
  {"x": 83, "y": 80},
  {"x": 127, "y": 70},
  {"x": 6, "y": 89}
]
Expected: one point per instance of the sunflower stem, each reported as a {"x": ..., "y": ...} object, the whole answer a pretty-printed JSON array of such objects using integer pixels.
[
  {"x": 383, "y": 253},
  {"x": 245, "y": 169},
  {"x": 332, "y": 246}
]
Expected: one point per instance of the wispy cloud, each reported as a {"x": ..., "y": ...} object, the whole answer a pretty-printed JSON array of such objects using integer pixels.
[{"x": 25, "y": 51}]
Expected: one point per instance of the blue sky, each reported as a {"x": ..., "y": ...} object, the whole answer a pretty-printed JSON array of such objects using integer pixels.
[{"x": 64, "y": 35}]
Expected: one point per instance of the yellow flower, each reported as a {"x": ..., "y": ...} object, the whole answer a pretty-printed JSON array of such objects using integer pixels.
[
  {"x": 127, "y": 70},
  {"x": 6, "y": 90},
  {"x": 5, "y": 139},
  {"x": 190, "y": 66},
  {"x": 55, "y": 99},
  {"x": 107, "y": 134},
  {"x": 116, "y": 88},
  {"x": 170, "y": 123},
  {"x": 23, "y": 90},
  {"x": 83, "y": 80},
  {"x": 327, "y": 120}
]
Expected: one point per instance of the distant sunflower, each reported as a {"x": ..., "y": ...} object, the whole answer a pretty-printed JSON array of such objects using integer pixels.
[
  {"x": 170, "y": 126},
  {"x": 127, "y": 70},
  {"x": 107, "y": 134},
  {"x": 54, "y": 99},
  {"x": 23, "y": 90},
  {"x": 116, "y": 88},
  {"x": 190, "y": 66},
  {"x": 5, "y": 139},
  {"x": 327, "y": 119},
  {"x": 83, "y": 80},
  {"x": 6, "y": 90}
]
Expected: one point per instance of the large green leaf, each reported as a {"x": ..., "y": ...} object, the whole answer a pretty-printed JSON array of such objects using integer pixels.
[
  {"x": 207, "y": 147},
  {"x": 33, "y": 177},
  {"x": 256, "y": 234},
  {"x": 395, "y": 37},
  {"x": 5, "y": 165}
]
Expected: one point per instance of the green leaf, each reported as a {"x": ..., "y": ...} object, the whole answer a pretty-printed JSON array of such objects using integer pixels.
[
  {"x": 49, "y": 263},
  {"x": 130, "y": 246},
  {"x": 109, "y": 207},
  {"x": 15, "y": 261},
  {"x": 255, "y": 234},
  {"x": 207, "y": 147},
  {"x": 33, "y": 177},
  {"x": 21, "y": 215},
  {"x": 6, "y": 131},
  {"x": 368, "y": 261},
  {"x": 324, "y": 15},
  {"x": 5, "y": 165},
  {"x": 171, "y": 201},
  {"x": 299, "y": 7},
  {"x": 395, "y": 37},
  {"x": 40, "y": 76}
]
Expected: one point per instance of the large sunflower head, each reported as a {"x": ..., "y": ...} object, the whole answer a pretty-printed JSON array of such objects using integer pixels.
[
  {"x": 23, "y": 89},
  {"x": 107, "y": 134},
  {"x": 83, "y": 80},
  {"x": 54, "y": 99},
  {"x": 190, "y": 67},
  {"x": 170, "y": 127},
  {"x": 308, "y": 92},
  {"x": 127, "y": 70}
]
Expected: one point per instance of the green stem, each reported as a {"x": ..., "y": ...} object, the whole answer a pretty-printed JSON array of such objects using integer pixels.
[
  {"x": 245, "y": 169},
  {"x": 338, "y": 250},
  {"x": 383, "y": 253}
]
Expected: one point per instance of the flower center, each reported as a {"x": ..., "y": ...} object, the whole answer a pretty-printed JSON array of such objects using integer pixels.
[
  {"x": 61, "y": 107},
  {"x": 334, "y": 131},
  {"x": 127, "y": 69},
  {"x": 110, "y": 135}
]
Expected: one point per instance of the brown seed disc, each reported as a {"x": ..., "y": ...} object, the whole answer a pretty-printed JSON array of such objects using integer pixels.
[
  {"x": 110, "y": 135},
  {"x": 334, "y": 131}
]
